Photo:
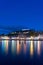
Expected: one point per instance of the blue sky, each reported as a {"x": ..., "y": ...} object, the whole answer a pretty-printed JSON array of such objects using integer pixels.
[{"x": 21, "y": 13}]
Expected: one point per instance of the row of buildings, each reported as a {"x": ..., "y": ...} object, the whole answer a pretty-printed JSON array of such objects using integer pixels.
[{"x": 23, "y": 33}]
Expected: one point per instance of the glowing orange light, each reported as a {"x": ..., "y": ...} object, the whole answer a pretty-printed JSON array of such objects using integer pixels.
[
  {"x": 31, "y": 47},
  {"x": 18, "y": 47}
]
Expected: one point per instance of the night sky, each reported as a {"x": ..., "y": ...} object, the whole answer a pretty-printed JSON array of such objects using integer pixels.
[{"x": 21, "y": 13}]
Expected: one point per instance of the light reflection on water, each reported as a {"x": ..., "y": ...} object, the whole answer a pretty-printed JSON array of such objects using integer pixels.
[
  {"x": 13, "y": 46},
  {"x": 38, "y": 47},
  {"x": 20, "y": 46},
  {"x": 5, "y": 45},
  {"x": 31, "y": 47}
]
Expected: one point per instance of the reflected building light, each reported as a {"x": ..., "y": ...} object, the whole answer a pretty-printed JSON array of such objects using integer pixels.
[
  {"x": 24, "y": 48},
  {"x": 6, "y": 43},
  {"x": 28, "y": 45},
  {"x": 42, "y": 45},
  {"x": 38, "y": 47},
  {"x": 35, "y": 45},
  {"x": 31, "y": 46},
  {"x": 18, "y": 47},
  {"x": 3, "y": 45},
  {"x": 13, "y": 46},
  {"x": 21, "y": 41}
]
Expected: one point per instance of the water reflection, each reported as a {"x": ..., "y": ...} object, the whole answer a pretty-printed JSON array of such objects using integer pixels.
[
  {"x": 5, "y": 45},
  {"x": 25, "y": 48},
  {"x": 35, "y": 45},
  {"x": 13, "y": 46},
  {"x": 38, "y": 47},
  {"x": 20, "y": 46},
  {"x": 31, "y": 48}
]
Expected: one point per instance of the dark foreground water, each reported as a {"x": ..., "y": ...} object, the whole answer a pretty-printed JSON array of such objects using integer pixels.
[{"x": 21, "y": 52}]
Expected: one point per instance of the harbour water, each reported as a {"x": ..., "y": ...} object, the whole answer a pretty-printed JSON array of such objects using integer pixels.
[{"x": 21, "y": 52}]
